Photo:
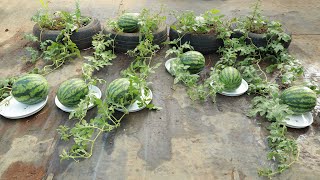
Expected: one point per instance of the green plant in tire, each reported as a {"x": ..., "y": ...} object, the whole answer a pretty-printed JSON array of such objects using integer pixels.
[
  {"x": 62, "y": 49},
  {"x": 60, "y": 19},
  {"x": 129, "y": 22},
  {"x": 194, "y": 59},
  {"x": 30, "y": 89},
  {"x": 72, "y": 91},
  {"x": 300, "y": 99},
  {"x": 231, "y": 78},
  {"x": 256, "y": 23},
  {"x": 188, "y": 22}
]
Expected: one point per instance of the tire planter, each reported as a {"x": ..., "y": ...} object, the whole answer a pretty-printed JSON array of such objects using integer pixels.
[
  {"x": 204, "y": 43},
  {"x": 129, "y": 41},
  {"x": 259, "y": 40},
  {"x": 82, "y": 38}
]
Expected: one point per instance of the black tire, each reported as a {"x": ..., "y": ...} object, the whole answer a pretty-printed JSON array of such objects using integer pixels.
[
  {"x": 204, "y": 43},
  {"x": 259, "y": 40},
  {"x": 82, "y": 38},
  {"x": 129, "y": 41}
]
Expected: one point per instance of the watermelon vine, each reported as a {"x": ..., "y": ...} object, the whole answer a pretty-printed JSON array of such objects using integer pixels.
[
  {"x": 85, "y": 132},
  {"x": 240, "y": 51},
  {"x": 243, "y": 54},
  {"x": 63, "y": 49}
]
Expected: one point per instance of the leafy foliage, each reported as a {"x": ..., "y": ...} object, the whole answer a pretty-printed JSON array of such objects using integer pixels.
[
  {"x": 148, "y": 22},
  {"x": 62, "y": 50},
  {"x": 101, "y": 43},
  {"x": 283, "y": 150},
  {"x": 85, "y": 132},
  {"x": 238, "y": 52},
  {"x": 5, "y": 87},
  {"x": 188, "y": 22},
  {"x": 242, "y": 54},
  {"x": 197, "y": 90},
  {"x": 255, "y": 22},
  {"x": 60, "y": 19}
]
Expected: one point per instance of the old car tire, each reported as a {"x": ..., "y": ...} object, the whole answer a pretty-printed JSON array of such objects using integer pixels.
[
  {"x": 204, "y": 43},
  {"x": 259, "y": 40},
  {"x": 129, "y": 41},
  {"x": 82, "y": 38}
]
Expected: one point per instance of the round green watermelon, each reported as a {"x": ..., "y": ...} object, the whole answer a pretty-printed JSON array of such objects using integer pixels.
[
  {"x": 300, "y": 99},
  {"x": 118, "y": 92},
  {"x": 194, "y": 59},
  {"x": 30, "y": 89},
  {"x": 129, "y": 22},
  {"x": 231, "y": 78},
  {"x": 72, "y": 91}
]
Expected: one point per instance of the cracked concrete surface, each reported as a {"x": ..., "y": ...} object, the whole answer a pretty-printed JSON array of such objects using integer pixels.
[{"x": 185, "y": 140}]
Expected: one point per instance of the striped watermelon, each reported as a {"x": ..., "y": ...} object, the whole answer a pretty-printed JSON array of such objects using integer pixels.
[
  {"x": 30, "y": 89},
  {"x": 118, "y": 92},
  {"x": 72, "y": 91},
  {"x": 300, "y": 99},
  {"x": 129, "y": 22},
  {"x": 231, "y": 78},
  {"x": 194, "y": 59}
]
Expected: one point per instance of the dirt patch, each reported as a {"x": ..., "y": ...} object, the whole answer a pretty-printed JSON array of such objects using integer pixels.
[
  {"x": 25, "y": 171},
  {"x": 28, "y": 66}
]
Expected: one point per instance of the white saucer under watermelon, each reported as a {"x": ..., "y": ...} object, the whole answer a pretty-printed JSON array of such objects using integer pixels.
[
  {"x": 300, "y": 120},
  {"x": 168, "y": 65},
  {"x": 92, "y": 89},
  {"x": 237, "y": 92},
  {"x": 12, "y": 109},
  {"x": 135, "y": 107}
]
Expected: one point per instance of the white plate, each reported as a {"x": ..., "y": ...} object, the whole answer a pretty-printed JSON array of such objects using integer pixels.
[
  {"x": 92, "y": 89},
  {"x": 168, "y": 65},
  {"x": 300, "y": 120},
  {"x": 237, "y": 92},
  {"x": 135, "y": 107},
  {"x": 17, "y": 110}
]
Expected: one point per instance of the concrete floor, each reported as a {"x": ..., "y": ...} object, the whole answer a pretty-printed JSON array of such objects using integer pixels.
[{"x": 185, "y": 140}]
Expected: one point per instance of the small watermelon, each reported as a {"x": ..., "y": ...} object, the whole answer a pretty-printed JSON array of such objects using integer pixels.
[
  {"x": 194, "y": 59},
  {"x": 118, "y": 92},
  {"x": 231, "y": 78},
  {"x": 300, "y": 99},
  {"x": 72, "y": 91},
  {"x": 129, "y": 22},
  {"x": 30, "y": 89}
]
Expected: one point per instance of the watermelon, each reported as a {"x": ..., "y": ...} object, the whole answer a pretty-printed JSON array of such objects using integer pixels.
[
  {"x": 30, "y": 89},
  {"x": 300, "y": 99},
  {"x": 72, "y": 91},
  {"x": 118, "y": 92},
  {"x": 231, "y": 78},
  {"x": 129, "y": 22},
  {"x": 194, "y": 59}
]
